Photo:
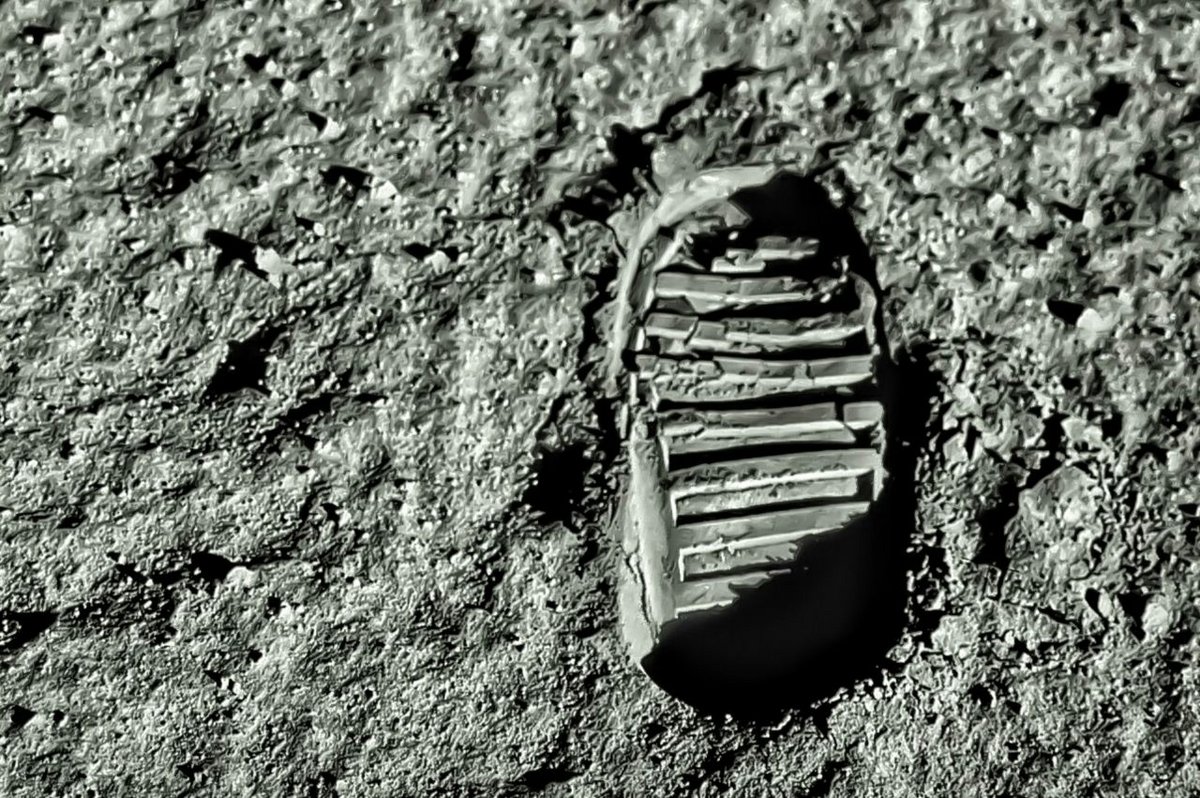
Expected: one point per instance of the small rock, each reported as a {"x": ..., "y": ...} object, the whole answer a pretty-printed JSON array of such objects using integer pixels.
[
  {"x": 1091, "y": 320},
  {"x": 966, "y": 402},
  {"x": 1079, "y": 431},
  {"x": 275, "y": 266},
  {"x": 334, "y": 130},
  {"x": 241, "y": 577},
  {"x": 1157, "y": 617},
  {"x": 955, "y": 449},
  {"x": 997, "y": 203},
  {"x": 382, "y": 189}
]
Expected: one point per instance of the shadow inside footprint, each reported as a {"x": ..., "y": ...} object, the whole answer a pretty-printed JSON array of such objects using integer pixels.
[
  {"x": 800, "y": 636},
  {"x": 829, "y": 620}
]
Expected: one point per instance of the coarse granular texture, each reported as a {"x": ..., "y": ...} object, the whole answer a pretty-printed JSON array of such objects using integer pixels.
[{"x": 306, "y": 475}]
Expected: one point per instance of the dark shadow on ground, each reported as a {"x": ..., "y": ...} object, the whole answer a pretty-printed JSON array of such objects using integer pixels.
[{"x": 831, "y": 619}]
